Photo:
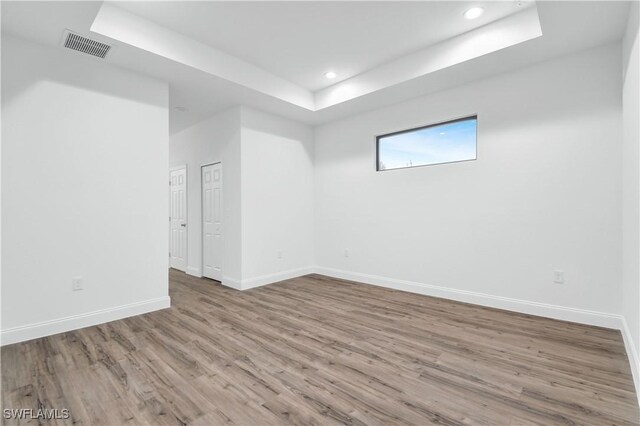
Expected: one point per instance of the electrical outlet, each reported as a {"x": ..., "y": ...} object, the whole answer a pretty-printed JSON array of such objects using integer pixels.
[
  {"x": 76, "y": 283},
  {"x": 346, "y": 252},
  {"x": 279, "y": 254},
  {"x": 558, "y": 277}
]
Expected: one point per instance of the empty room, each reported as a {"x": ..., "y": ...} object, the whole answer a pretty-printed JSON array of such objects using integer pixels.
[{"x": 320, "y": 213}]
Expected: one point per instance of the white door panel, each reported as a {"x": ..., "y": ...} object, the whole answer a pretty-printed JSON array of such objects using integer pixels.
[
  {"x": 212, "y": 246},
  {"x": 178, "y": 219}
]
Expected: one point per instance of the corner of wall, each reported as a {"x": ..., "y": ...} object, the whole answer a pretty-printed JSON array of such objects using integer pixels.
[{"x": 630, "y": 296}]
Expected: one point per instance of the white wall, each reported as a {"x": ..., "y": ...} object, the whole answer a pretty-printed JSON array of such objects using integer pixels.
[
  {"x": 268, "y": 187},
  {"x": 210, "y": 141},
  {"x": 83, "y": 191},
  {"x": 277, "y": 198},
  {"x": 631, "y": 188},
  {"x": 544, "y": 194}
]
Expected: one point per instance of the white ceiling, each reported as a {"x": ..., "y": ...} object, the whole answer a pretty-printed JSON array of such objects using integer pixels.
[
  {"x": 283, "y": 59},
  {"x": 300, "y": 41}
]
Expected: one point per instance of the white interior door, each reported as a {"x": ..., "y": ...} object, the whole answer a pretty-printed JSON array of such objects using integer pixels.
[
  {"x": 178, "y": 219},
  {"x": 212, "y": 247}
]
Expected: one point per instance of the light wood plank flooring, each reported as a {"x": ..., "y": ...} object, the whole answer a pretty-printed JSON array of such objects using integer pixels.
[{"x": 315, "y": 350}]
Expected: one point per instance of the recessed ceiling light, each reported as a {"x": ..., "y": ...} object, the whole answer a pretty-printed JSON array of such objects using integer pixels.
[
  {"x": 330, "y": 74},
  {"x": 180, "y": 108},
  {"x": 474, "y": 13}
]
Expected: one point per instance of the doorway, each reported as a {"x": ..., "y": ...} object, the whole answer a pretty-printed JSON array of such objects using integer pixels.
[
  {"x": 212, "y": 231},
  {"x": 178, "y": 218}
]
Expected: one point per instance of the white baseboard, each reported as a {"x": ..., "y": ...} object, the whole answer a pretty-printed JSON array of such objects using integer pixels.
[
  {"x": 632, "y": 354},
  {"x": 272, "y": 278},
  {"x": 193, "y": 271},
  {"x": 231, "y": 282},
  {"x": 247, "y": 284},
  {"x": 74, "y": 322},
  {"x": 564, "y": 313}
]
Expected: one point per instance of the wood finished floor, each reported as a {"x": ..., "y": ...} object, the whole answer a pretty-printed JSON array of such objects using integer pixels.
[{"x": 315, "y": 350}]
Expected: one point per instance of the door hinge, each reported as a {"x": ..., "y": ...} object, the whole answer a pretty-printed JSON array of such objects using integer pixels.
[
  {"x": 169, "y": 254},
  {"x": 169, "y": 182}
]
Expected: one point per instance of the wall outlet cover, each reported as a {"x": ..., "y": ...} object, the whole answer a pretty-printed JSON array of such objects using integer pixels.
[
  {"x": 76, "y": 283},
  {"x": 558, "y": 277}
]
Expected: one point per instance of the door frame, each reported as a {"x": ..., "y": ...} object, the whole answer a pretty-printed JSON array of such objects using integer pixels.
[
  {"x": 186, "y": 214},
  {"x": 212, "y": 163}
]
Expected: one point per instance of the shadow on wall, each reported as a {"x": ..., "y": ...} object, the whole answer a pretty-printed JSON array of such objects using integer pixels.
[
  {"x": 64, "y": 67},
  {"x": 267, "y": 124}
]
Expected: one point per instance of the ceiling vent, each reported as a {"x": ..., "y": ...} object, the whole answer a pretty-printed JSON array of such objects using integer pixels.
[{"x": 85, "y": 45}]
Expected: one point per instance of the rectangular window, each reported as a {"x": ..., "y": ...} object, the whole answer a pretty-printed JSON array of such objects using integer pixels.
[{"x": 447, "y": 142}]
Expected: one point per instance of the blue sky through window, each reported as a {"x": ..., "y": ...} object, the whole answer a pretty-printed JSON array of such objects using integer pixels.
[{"x": 443, "y": 143}]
